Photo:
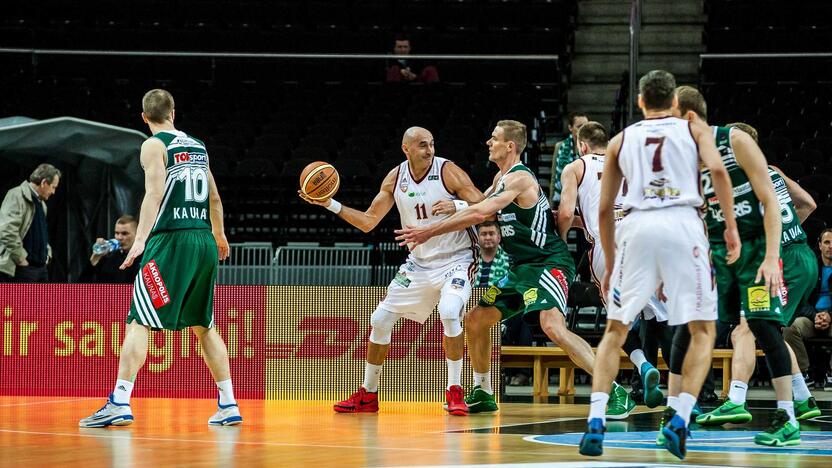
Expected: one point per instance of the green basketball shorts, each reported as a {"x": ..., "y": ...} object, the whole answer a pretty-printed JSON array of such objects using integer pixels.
[
  {"x": 800, "y": 273},
  {"x": 175, "y": 285},
  {"x": 529, "y": 289}
]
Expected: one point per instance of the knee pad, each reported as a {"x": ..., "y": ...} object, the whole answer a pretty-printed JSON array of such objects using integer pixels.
[
  {"x": 382, "y": 322},
  {"x": 772, "y": 343},
  {"x": 678, "y": 349},
  {"x": 450, "y": 312}
]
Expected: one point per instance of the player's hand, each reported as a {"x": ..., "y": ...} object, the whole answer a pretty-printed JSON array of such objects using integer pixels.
[
  {"x": 23, "y": 263},
  {"x": 660, "y": 293},
  {"x": 769, "y": 271},
  {"x": 411, "y": 236},
  {"x": 133, "y": 254},
  {"x": 443, "y": 207},
  {"x": 605, "y": 283},
  {"x": 222, "y": 245},
  {"x": 324, "y": 203},
  {"x": 732, "y": 242}
]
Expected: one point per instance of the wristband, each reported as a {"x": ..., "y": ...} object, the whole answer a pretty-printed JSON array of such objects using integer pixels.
[
  {"x": 334, "y": 206},
  {"x": 460, "y": 204}
]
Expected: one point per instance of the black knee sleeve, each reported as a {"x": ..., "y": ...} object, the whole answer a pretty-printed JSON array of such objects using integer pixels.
[
  {"x": 772, "y": 343},
  {"x": 633, "y": 342},
  {"x": 679, "y": 348}
]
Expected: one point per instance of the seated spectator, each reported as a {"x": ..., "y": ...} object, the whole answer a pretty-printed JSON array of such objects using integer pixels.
[
  {"x": 566, "y": 151},
  {"x": 814, "y": 321},
  {"x": 408, "y": 70},
  {"x": 493, "y": 261},
  {"x": 105, "y": 268}
]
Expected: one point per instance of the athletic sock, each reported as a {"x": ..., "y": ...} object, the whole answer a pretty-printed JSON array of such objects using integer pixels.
[
  {"x": 226, "y": 393},
  {"x": 598, "y": 406},
  {"x": 799, "y": 388},
  {"x": 686, "y": 402},
  {"x": 673, "y": 402},
  {"x": 484, "y": 381},
  {"x": 122, "y": 391},
  {"x": 738, "y": 392},
  {"x": 638, "y": 359},
  {"x": 789, "y": 407},
  {"x": 372, "y": 373},
  {"x": 454, "y": 372}
]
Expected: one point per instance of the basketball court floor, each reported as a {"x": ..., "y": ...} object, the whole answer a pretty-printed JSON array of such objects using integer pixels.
[{"x": 43, "y": 431}]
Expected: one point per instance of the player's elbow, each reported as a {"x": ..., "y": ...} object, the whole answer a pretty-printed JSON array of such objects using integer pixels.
[
  {"x": 808, "y": 206},
  {"x": 479, "y": 217},
  {"x": 605, "y": 211}
]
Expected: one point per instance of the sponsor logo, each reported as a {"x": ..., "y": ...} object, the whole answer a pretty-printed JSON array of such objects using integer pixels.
[
  {"x": 530, "y": 296},
  {"x": 183, "y": 157},
  {"x": 505, "y": 218},
  {"x": 433, "y": 177},
  {"x": 155, "y": 285},
  {"x": 616, "y": 297},
  {"x": 491, "y": 295},
  {"x": 758, "y": 299},
  {"x": 401, "y": 279},
  {"x": 457, "y": 283},
  {"x": 561, "y": 281}
]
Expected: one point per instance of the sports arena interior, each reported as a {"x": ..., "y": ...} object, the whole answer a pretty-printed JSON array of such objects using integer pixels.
[{"x": 272, "y": 86}]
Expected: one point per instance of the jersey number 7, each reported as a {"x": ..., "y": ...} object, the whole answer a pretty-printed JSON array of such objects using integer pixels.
[{"x": 657, "y": 155}]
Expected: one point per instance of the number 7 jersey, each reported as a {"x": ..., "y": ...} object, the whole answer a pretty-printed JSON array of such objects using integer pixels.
[
  {"x": 660, "y": 162},
  {"x": 185, "y": 202}
]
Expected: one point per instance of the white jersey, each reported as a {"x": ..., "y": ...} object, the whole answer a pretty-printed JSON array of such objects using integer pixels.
[
  {"x": 660, "y": 162},
  {"x": 589, "y": 196},
  {"x": 414, "y": 199}
]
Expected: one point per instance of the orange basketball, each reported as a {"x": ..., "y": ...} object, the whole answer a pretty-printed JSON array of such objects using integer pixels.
[{"x": 319, "y": 180}]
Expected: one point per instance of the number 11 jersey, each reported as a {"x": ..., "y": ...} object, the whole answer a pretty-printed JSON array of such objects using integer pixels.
[
  {"x": 185, "y": 202},
  {"x": 414, "y": 199}
]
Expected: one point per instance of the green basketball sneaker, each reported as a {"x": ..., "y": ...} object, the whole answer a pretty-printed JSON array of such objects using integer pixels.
[
  {"x": 780, "y": 432},
  {"x": 806, "y": 409},
  {"x": 480, "y": 401},
  {"x": 727, "y": 412},
  {"x": 620, "y": 403},
  {"x": 667, "y": 415}
]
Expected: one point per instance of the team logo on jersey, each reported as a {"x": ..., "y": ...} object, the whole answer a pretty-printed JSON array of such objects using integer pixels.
[
  {"x": 433, "y": 177},
  {"x": 403, "y": 185},
  {"x": 155, "y": 285},
  {"x": 401, "y": 279},
  {"x": 457, "y": 283},
  {"x": 758, "y": 299},
  {"x": 530, "y": 296},
  {"x": 491, "y": 295}
]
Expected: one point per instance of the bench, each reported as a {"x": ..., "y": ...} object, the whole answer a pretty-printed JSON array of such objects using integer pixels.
[{"x": 541, "y": 359}]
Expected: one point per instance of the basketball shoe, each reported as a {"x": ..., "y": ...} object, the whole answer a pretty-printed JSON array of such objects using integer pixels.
[
  {"x": 780, "y": 432},
  {"x": 727, "y": 412},
  {"x": 675, "y": 436},
  {"x": 111, "y": 414},
  {"x": 455, "y": 398},
  {"x": 226, "y": 415},
  {"x": 806, "y": 409},
  {"x": 480, "y": 401},
  {"x": 592, "y": 443},
  {"x": 653, "y": 397},
  {"x": 361, "y": 401},
  {"x": 667, "y": 415},
  {"x": 620, "y": 403}
]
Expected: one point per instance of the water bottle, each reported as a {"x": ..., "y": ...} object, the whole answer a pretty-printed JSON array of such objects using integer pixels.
[{"x": 105, "y": 247}]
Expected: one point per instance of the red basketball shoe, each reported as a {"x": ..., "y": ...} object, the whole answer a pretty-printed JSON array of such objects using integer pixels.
[
  {"x": 361, "y": 401},
  {"x": 455, "y": 398}
]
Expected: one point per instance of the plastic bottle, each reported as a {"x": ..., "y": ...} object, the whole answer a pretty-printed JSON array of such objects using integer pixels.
[{"x": 105, "y": 247}]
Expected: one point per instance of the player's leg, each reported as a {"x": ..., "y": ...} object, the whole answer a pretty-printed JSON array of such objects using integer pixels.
[
  {"x": 456, "y": 290},
  {"x": 478, "y": 324},
  {"x": 805, "y": 405},
  {"x": 215, "y": 355}
]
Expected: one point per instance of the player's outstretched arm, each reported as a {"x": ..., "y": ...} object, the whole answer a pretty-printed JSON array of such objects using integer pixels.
[
  {"x": 753, "y": 162},
  {"x": 217, "y": 222},
  {"x": 153, "y": 161},
  {"x": 722, "y": 184},
  {"x": 802, "y": 200},
  {"x": 366, "y": 221},
  {"x": 458, "y": 183},
  {"x": 568, "y": 196},
  {"x": 610, "y": 184}
]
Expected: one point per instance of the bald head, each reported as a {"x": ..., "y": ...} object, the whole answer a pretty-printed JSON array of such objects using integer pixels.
[{"x": 415, "y": 134}]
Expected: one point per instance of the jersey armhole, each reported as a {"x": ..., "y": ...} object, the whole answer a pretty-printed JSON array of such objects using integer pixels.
[
  {"x": 442, "y": 178},
  {"x": 581, "y": 180}
]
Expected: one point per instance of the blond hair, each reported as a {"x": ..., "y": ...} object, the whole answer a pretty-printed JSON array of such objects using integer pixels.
[
  {"x": 514, "y": 131},
  {"x": 157, "y": 105},
  {"x": 745, "y": 128},
  {"x": 690, "y": 99}
]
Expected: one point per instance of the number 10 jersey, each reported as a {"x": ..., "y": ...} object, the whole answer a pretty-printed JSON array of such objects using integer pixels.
[{"x": 185, "y": 202}]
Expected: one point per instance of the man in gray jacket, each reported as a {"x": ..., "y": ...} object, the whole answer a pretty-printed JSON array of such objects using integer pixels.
[{"x": 24, "y": 236}]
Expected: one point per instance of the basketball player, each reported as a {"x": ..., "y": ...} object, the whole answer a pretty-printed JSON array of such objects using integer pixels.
[
  {"x": 581, "y": 186},
  {"x": 537, "y": 283},
  {"x": 182, "y": 236},
  {"x": 800, "y": 272},
  {"x": 439, "y": 272},
  {"x": 659, "y": 241},
  {"x": 760, "y": 226}
]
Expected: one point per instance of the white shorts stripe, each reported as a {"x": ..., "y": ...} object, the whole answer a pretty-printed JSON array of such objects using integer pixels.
[
  {"x": 549, "y": 280},
  {"x": 139, "y": 304},
  {"x": 151, "y": 311}
]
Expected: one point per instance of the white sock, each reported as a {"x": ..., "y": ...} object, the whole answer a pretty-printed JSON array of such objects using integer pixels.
[
  {"x": 598, "y": 406},
  {"x": 226, "y": 392},
  {"x": 686, "y": 402},
  {"x": 799, "y": 388},
  {"x": 122, "y": 391},
  {"x": 738, "y": 391},
  {"x": 638, "y": 359},
  {"x": 484, "y": 381},
  {"x": 372, "y": 373},
  {"x": 454, "y": 372},
  {"x": 673, "y": 402},
  {"x": 789, "y": 407}
]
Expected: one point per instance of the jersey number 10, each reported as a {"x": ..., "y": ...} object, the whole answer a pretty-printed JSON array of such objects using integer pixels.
[{"x": 196, "y": 183}]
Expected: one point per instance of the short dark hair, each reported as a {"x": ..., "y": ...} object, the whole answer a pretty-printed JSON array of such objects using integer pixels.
[
  {"x": 127, "y": 219},
  {"x": 690, "y": 99},
  {"x": 820, "y": 236},
  {"x": 745, "y": 128},
  {"x": 401, "y": 37},
  {"x": 657, "y": 88},
  {"x": 488, "y": 224},
  {"x": 594, "y": 134},
  {"x": 157, "y": 105},
  {"x": 43, "y": 172},
  {"x": 574, "y": 115}
]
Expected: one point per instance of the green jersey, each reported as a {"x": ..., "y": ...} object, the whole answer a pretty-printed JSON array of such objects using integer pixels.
[
  {"x": 747, "y": 208},
  {"x": 185, "y": 203},
  {"x": 529, "y": 234},
  {"x": 792, "y": 231}
]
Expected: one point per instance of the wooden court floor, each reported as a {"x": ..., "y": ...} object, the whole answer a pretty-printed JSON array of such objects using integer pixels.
[{"x": 43, "y": 431}]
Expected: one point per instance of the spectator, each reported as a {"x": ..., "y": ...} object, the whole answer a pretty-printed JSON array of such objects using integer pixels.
[
  {"x": 24, "y": 234},
  {"x": 566, "y": 151},
  {"x": 105, "y": 268},
  {"x": 493, "y": 262},
  {"x": 405, "y": 70},
  {"x": 814, "y": 321}
]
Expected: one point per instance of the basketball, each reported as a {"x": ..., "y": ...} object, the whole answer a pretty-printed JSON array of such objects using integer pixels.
[{"x": 319, "y": 180}]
